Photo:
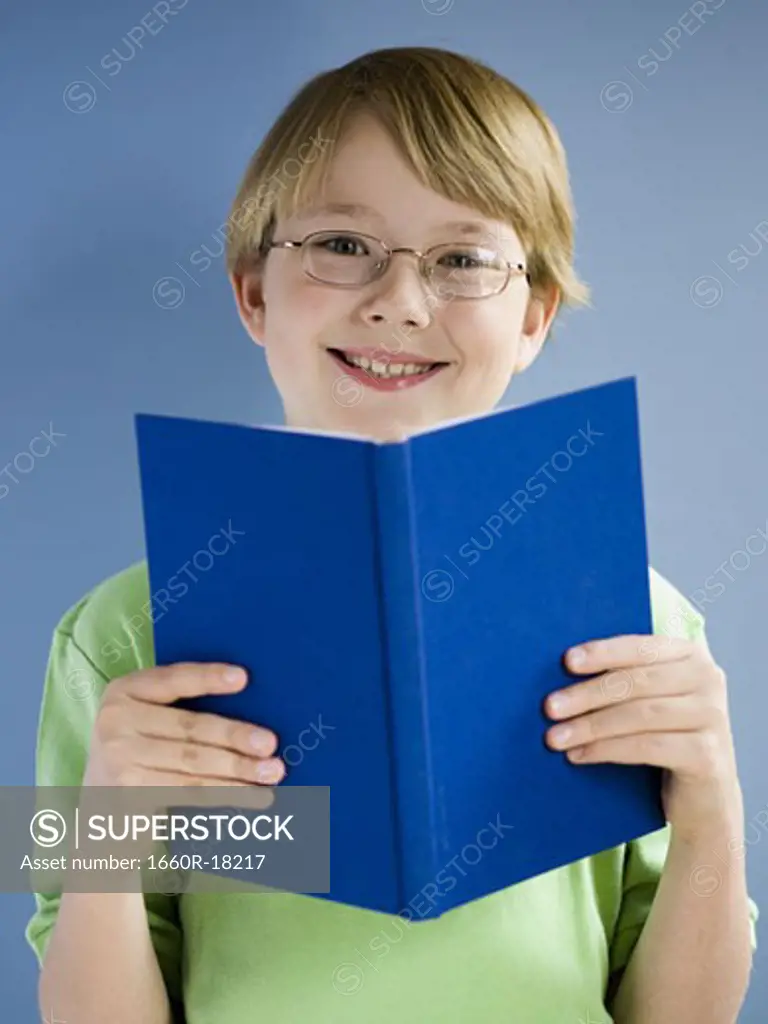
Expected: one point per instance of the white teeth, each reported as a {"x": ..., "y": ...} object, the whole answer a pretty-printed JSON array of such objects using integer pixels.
[{"x": 382, "y": 369}]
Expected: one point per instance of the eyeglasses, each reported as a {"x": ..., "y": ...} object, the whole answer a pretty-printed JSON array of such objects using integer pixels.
[{"x": 454, "y": 270}]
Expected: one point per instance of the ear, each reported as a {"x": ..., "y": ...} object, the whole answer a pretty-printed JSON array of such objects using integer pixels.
[
  {"x": 248, "y": 290},
  {"x": 542, "y": 307}
]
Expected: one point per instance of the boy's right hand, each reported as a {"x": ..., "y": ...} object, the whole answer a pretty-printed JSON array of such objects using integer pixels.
[{"x": 138, "y": 741}]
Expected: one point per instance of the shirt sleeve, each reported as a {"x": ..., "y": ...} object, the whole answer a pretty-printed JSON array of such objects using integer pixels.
[
  {"x": 71, "y": 697},
  {"x": 645, "y": 857}
]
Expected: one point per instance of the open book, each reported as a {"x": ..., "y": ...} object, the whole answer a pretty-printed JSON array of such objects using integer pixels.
[{"x": 402, "y": 610}]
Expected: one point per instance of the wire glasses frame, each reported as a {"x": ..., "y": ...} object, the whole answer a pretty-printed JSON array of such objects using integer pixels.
[{"x": 380, "y": 261}]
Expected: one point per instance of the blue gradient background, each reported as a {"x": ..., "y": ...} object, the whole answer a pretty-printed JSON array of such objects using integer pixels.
[{"x": 669, "y": 159}]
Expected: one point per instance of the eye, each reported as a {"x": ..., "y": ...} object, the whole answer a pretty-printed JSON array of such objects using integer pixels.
[
  {"x": 465, "y": 260},
  {"x": 342, "y": 245}
]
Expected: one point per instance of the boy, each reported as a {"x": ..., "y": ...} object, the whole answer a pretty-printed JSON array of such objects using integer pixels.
[{"x": 400, "y": 245}]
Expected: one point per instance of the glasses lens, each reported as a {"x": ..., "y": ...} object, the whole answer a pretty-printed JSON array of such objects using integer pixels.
[
  {"x": 470, "y": 271},
  {"x": 341, "y": 257}
]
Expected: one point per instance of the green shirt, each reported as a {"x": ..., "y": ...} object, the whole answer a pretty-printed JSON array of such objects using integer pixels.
[{"x": 540, "y": 951}]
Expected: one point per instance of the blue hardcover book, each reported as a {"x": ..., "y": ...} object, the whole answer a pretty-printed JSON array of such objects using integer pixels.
[{"x": 402, "y": 610}]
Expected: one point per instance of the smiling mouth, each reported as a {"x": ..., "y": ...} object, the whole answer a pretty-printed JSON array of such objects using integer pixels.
[{"x": 386, "y": 369}]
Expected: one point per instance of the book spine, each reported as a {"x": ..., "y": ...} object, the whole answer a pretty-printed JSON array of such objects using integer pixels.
[{"x": 401, "y": 627}]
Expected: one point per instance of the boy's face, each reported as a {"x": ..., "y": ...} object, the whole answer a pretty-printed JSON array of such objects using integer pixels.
[{"x": 482, "y": 342}]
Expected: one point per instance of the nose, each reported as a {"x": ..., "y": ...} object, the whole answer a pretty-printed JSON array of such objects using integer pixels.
[{"x": 399, "y": 296}]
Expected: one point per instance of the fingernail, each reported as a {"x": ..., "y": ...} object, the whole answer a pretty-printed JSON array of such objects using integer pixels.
[
  {"x": 577, "y": 656},
  {"x": 561, "y": 734},
  {"x": 261, "y": 741},
  {"x": 268, "y": 771},
  {"x": 557, "y": 703},
  {"x": 234, "y": 675}
]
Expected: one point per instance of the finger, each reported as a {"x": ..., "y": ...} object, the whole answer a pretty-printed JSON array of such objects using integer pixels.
[
  {"x": 202, "y": 727},
  {"x": 625, "y": 652},
  {"x": 619, "y": 687},
  {"x": 198, "y": 760},
  {"x": 664, "y": 714},
  {"x": 683, "y": 752},
  {"x": 143, "y": 776},
  {"x": 166, "y": 684}
]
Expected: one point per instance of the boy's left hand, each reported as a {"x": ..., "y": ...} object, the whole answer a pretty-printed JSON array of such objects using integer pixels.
[{"x": 661, "y": 701}]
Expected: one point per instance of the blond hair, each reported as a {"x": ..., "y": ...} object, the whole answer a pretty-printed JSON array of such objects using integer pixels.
[{"x": 466, "y": 131}]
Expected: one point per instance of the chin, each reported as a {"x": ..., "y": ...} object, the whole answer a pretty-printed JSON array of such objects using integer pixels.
[{"x": 387, "y": 425}]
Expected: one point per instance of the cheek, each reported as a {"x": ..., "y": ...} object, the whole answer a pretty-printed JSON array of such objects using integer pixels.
[
  {"x": 303, "y": 311},
  {"x": 487, "y": 333}
]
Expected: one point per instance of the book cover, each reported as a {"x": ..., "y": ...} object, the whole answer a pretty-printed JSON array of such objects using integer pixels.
[{"x": 402, "y": 609}]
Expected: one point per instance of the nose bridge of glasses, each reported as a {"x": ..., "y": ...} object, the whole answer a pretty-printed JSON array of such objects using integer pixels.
[
  {"x": 406, "y": 248},
  {"x": 404, "y": 289},
  {"x": 383, "y": 264}
]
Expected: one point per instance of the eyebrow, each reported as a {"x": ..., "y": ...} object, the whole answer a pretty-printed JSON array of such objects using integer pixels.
[{"x": 464, "y": 227}]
